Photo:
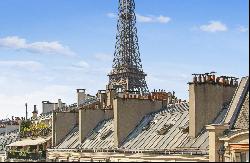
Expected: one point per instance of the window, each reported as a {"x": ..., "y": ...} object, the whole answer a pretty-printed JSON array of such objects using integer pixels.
[
  {"x": 247, "y": 156},
  {"x": 242, "y": 156},
  {"x": 106, "y": 134},
  {"x": 164, "y": 129}
]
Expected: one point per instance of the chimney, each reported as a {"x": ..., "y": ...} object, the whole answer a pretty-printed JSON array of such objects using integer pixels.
[
  {"x": 81, "y": 96},
  {"x": 206, "y": 99},
  {"x": 35, "y": 112},
  {"x": 59, "y": 104},
  {"x": 111, "y": 92},
  {"x": 102, "y": 98}
]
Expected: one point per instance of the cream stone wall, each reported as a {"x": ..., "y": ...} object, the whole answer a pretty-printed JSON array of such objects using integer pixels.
[
  {"x": 215, "y": 131},
  {"x": 1, "y": 158},
  {"x": 128, "y": 113},
  {"x": 240, "y": 138},
  {"x": 89, "y": 119},
  {"x": 124, "y": 157},
  {"x": 63, "y": 123},
  {"x": 206, "y": 101}
]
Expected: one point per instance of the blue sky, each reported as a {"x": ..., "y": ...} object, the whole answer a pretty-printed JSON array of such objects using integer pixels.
[{"x": 48, "y": 48}]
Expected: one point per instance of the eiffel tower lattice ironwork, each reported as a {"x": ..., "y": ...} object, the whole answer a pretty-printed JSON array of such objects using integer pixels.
[{"x": 127, "y": 73}]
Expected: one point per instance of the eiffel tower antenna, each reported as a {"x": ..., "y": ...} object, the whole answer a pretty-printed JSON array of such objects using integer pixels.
[{"x": 127, "y": 74}]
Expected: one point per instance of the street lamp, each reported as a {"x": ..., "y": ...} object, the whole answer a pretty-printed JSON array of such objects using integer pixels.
[{"x": 221, "y": 152}]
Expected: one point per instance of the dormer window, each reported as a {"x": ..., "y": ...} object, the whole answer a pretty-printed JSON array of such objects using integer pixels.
[
  {"x": 106, "y": 134},
  {"x": 184, "y": 129},
  {"x": 93, "y": 135},
  {"x": 164, "y": 129},
  {"x": 146, "y": 127}
]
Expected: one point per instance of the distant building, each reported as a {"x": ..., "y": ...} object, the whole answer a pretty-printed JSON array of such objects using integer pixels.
[{"x": 49, "y": 107}]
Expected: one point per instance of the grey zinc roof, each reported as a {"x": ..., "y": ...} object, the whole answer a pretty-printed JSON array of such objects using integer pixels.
[
  {"x": 102, "y": 137},
  {"x": 242, "y": 121},
  {"x": 237, "y": 102},
  {"x": 71, "y": 141},
  {"x": 166, "y": 129},
  {"x": 11, "y": 129},
  {"x": 146, "y": 136},
  {"x": 8, "y": 139}
]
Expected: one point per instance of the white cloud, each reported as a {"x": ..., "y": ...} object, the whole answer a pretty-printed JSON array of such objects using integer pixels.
[
  {"x": 103, "y": 57},
  {"x": 81, "y": 65},
  {"x": 112, "y": 15},
  {"x": 16, "y": 43},
  {"x": 144, "y": 19},
  {"x": 214, "y": 26},
  {"x": 147, "y": 19},
  {"x": 28, "y": 65},
  {"x": 163, "y": 19},
  {"x": 243, "y": 29},
  {"x": 153, "y": 19}
]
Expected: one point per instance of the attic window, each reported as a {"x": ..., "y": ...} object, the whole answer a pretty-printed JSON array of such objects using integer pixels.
[
  {"x": 185, "y": 129},
  {"x": 106, "y": 134},
  {"x": 93, "y": 135},
  {"x": 147, "y": 126},
  {"x": 165, "y": 129}
]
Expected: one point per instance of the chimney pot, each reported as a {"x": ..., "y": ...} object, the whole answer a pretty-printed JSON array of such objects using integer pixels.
[{"x": 195, "y": 79}]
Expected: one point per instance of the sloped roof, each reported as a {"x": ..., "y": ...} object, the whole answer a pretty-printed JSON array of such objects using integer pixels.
[
  {"x": 242, "y": 121},
  {"x": 166, "y": 129},
  {"x": 71, "y": 141},
  {"x": 148, "y": 136},
  {"x": 8, "y": 139},
  {"x": 102, "y": 137},
  {"x": 29, "y": 142},
  {"x": 237, "y": 102}
]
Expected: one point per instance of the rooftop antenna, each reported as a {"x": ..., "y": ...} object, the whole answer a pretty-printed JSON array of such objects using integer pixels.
[{"x": 26, "y": 107}]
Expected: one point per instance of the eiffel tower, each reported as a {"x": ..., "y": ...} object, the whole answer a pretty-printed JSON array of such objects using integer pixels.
[{"x": 127, "y": 74}]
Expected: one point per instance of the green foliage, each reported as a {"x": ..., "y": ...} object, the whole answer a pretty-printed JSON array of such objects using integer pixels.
[
  {"x": 25, "y": 124},
  {"x": 25, "y": 128},
  {"x": 22, "y": 154},
  {"x": 32, "y": 129}
]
